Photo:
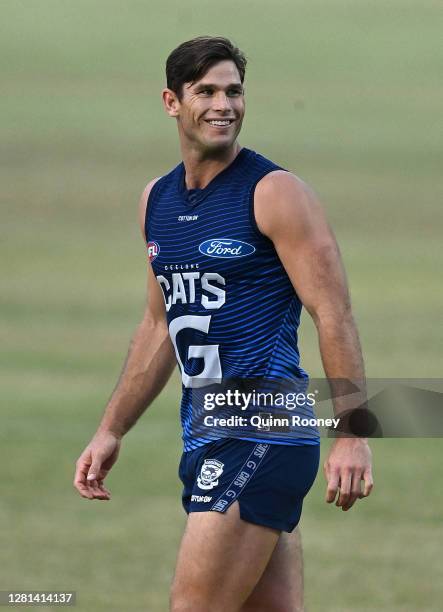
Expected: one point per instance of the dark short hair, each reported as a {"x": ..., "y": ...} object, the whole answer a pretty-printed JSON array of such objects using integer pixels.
[{"x": 193, "y": 58}]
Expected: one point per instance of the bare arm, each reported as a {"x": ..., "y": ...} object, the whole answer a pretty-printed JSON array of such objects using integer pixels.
[
  {"x": 288, "y": 212},
  {"x": 148, "y": 366}
]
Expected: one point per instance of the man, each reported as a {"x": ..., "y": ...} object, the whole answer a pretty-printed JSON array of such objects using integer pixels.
[{"x": 236, "y": 245}]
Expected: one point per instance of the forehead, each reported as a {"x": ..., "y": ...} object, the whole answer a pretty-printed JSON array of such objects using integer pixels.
[{"x": 221, "y": 72}]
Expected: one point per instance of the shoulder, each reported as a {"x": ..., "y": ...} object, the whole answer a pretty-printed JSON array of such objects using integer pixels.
[
  {"x": 282, "y": 189},
  {"x": 143, "y": 203},
  {"x": 282, "y": 200}
]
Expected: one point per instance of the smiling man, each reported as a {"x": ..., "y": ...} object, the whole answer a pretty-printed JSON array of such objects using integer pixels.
[{"x": 236, "y": 245}]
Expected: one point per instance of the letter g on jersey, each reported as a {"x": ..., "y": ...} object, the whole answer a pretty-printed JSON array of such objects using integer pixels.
[
  {"x": 210, "y": 472},
  {"x": 225, "y": 248}
]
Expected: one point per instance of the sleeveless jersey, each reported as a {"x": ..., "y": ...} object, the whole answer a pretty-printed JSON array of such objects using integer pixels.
[{"x": 231, "y": 309}]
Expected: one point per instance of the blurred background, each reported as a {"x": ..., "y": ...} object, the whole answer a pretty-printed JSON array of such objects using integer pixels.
[{"x": 348, "y": 95}]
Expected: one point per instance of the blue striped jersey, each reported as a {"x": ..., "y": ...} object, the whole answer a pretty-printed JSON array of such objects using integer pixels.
[{"x": 231, "y": 309}]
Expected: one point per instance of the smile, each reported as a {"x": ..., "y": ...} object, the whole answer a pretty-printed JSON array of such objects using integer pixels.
[{"x": 220, "y": 122}]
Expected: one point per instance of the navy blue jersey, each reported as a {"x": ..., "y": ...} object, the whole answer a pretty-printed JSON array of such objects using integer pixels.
[{"x": 231, "y": 309}]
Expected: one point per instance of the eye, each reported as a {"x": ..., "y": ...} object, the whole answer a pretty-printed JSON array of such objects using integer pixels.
[{"x": 206, "y": 92}]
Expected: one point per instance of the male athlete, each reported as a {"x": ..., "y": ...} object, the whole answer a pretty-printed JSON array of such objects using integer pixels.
[{"x": 236, "y": 246}]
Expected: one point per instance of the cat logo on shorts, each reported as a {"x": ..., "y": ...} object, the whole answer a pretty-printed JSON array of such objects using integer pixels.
[{"x": 210, "y": 472}]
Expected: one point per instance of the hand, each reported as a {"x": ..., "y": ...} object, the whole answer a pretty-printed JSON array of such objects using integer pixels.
[
  {"x": 348, "y": 463},
  {"x": 94, "y": 464}
]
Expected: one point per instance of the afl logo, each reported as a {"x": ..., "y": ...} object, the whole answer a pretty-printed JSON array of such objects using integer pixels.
[
  {"x": 153, "y": 250},
  {"x": 225, "y": 248}
]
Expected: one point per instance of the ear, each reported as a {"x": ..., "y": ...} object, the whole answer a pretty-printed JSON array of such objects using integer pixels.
[{"x": 170, "y": 102}]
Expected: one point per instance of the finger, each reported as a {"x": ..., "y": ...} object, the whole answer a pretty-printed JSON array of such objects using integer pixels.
[
  {"x": 101, "y": 495},
  {"x": 101, "y": 492},
  {"x": 83, "y": 490},
  {"x": 332, "y": 487},
  {"x": 96, "y": 491},
  {"x": 80, "y": 482},
  {"x": 81, "y": 471},
  {"x": 345, "y": 488},
  {"x": 369, "y": 482},
  {"x": 95, "y": 468},
  {"x": 103, "y": 488},
  {"x": 355, "y": 490}
]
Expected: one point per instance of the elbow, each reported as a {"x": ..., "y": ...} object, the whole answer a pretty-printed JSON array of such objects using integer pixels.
[
  {"x": 153, "y": 324},
  {"x": 336, "y": 318}
]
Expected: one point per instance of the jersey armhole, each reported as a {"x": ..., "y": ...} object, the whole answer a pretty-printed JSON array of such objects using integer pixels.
[
  {"x": 252, "y": 218},
  {"x": 150, "y": 206}
]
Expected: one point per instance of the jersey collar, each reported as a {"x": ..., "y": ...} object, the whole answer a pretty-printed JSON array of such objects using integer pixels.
[{"x": 192, "y": 197}]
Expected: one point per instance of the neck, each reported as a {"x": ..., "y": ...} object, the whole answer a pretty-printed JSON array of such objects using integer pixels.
[{"x": 201, "y": 168}]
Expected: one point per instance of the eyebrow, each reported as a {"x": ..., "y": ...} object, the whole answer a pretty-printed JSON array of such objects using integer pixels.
[{"x": 213, "y": 85}]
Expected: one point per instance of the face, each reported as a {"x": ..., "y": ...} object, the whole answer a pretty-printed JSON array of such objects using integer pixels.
[{"x": 211, "y": 110}]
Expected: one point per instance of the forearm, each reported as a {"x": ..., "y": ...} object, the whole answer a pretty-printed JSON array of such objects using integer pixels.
[
  {"x": 148, "y": 366},
  {"x": 349, "y": 458},
  {"x": 342, "y": 359}
]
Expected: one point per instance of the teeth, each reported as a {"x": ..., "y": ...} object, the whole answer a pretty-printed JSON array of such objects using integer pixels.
[{"x": 220, "y": 122}]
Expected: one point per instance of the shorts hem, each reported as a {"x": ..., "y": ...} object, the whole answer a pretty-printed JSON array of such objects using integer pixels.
[{"x": 249, "y": 517}]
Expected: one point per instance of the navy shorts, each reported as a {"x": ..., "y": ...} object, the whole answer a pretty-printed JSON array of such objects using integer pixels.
[{"x": 269, "y": 481}]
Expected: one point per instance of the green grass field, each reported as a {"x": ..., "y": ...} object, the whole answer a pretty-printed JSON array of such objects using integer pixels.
[{"x": 348, "y": 94}]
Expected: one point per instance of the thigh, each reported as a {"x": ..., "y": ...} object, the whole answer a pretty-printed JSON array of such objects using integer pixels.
[
  {"x": 280, "y": 588},
  {"x": 221, "y": 559}
]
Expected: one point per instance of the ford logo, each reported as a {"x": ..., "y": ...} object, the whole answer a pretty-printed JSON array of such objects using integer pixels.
[{"x": 225, "y": 248}]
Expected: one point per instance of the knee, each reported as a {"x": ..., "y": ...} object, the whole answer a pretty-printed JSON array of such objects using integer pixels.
[
  {"x": 188, "y": 604},
  {"x": 272, "y": 607},
  {"x": 189, "y": 600},
  {"x": 180, "y": 601}
]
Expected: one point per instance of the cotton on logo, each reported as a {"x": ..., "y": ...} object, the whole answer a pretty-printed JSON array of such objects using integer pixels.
[{"x": 153, "y": 250}]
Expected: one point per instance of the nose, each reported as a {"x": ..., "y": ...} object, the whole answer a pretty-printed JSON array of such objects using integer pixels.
[{"x": 221, "y": 102}]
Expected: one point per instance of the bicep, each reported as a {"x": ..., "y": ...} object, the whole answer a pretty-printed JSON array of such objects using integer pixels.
[
  {"x": 155, "y": 303},
  {"x": 306, "y": 246}
]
